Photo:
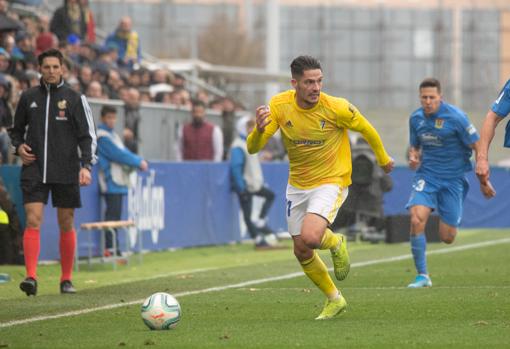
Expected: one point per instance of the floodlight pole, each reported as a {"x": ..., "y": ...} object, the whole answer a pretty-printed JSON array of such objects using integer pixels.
[
  {"x": 272, "y": 43},
  {"x": 457, "y": 55}
]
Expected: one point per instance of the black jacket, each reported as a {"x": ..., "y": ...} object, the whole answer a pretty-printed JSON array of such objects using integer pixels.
[
  {"x": 61, "y": 25},
  {"x": 54, "y": 133}
]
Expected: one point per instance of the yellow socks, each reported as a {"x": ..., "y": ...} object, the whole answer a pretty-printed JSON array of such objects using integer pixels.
[
  {"x": 329, "y": 240},
  {"x": 316, "y": 270}
]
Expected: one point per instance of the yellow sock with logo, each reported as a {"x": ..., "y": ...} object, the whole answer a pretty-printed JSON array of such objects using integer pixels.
[
  {"x": 316, "y": 271},
  {"x": 329, "y": 240}
]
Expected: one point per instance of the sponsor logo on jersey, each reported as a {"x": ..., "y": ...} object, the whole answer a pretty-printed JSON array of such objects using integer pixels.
[
  {"x": 308, "y": 142},
  {"x": 471, "y": 129},
  {"x": 33, "y": 105},
  {"x": 431, "y": 139},
  {"x": 439, "y": 123},
  {"x": 323, "y": 123}
]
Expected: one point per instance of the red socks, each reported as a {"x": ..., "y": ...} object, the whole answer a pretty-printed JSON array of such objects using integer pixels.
[
  {"x": 31, "y": 248},
  {"x": 67, "y": 250}
]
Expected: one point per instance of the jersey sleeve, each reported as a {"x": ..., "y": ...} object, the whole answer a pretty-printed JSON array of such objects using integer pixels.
[
  {"x": 257, "y": 140},
  {"x": 467, "y": 131},
  {"x": 349, "y": 117},
  {"x": 414, "y": 140},
  {"x": 501, "y": 105},
  {"x": 85, "y": 131}
]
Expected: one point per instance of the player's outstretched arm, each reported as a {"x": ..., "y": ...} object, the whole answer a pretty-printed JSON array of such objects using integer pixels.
[
  {"x": 487, "y": 189},
  {"x": 265, "y": 127},
  {"x": 262, "y": 117},
  {"x": 388, "y": 167},
  {"x": 414, "y": 158},
  {"x": 482, "y": 150},
  {"x": 485, "y": 185}
]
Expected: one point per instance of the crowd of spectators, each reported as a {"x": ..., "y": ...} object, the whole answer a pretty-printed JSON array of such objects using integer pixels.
[{"x": 101, "y": 69}]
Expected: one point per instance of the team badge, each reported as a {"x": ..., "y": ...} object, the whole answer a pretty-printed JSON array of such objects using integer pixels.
[
  {"x": 62, "y": 104},
  {"x": 439, "y": 123}
]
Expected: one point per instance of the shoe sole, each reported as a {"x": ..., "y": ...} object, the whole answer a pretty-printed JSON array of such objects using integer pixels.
[
  {"x": 28, "y": 288},
  {"x": 418, "y": 286},
  {"x": 342, "y": 274}
]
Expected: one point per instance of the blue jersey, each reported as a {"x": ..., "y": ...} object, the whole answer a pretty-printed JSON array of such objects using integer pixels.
[
  {"x": 501, "y": 107},
  {"x": 444, "y": 138}
]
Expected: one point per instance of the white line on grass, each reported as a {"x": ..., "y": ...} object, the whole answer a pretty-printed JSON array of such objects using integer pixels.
[
  {"x": 246, "y": 283},
  {"x": 389, "y": 288}
]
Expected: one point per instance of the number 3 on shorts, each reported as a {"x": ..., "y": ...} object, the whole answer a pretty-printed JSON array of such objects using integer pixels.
[
  {"x": 289, "y": 205},
  {"x": 419, "y": 185}
]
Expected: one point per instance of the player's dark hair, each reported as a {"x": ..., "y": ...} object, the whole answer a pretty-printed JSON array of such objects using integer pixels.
[
  {"x": 50, "y": 53},
  {"x": 302, "y": 63},
  {"x": 431, "y": 82},
  {"x": 107, "y": 109}
]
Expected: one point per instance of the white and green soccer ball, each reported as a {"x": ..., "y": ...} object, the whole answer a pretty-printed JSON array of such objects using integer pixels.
[{"x": 161, "y": 311}]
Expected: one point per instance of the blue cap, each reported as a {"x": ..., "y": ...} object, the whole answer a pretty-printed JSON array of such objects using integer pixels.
[{"x": 73, "y": 39}]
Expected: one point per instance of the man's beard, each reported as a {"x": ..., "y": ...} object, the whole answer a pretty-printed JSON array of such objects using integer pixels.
[{"x": 197, "y": 122}]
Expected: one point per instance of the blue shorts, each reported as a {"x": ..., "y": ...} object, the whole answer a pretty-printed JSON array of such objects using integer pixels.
[{"x": 445, "y": 195}]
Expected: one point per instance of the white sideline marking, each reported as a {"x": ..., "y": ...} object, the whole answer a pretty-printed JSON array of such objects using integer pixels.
[
  {"x": 389, "y": 288},
  {"x": 247, "y": 283},
  {"x": 159, "y": 276}
]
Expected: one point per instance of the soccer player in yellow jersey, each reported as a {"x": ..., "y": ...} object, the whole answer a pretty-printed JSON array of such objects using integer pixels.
[{"x": 314, "y": 129}]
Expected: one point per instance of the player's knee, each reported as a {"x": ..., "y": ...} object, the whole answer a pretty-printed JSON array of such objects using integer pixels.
[
  {"x": 417, "y": 223},
  {"x": 66, "y": 222},
  {"x": 310, "y": 240},
  {"x": 302, "y": 253},
  {"x": 34, "y": 220}
]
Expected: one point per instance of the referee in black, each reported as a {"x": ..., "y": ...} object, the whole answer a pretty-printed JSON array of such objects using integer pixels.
[{"x": 54, "y": 135}]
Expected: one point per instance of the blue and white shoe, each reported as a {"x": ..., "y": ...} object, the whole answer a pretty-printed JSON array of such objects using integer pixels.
[{"x": 421, "y": 280}]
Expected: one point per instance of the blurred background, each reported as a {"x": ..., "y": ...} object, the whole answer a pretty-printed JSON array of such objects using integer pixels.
[
  {"x": 150, "y": 59},
  {"x": 374, "y": 52}
]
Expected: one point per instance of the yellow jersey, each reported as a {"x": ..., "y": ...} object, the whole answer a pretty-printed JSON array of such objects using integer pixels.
[{"x": 316, "y": 139}]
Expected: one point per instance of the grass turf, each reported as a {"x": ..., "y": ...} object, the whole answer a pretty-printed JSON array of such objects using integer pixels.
[{"x": 468, "y": 306}]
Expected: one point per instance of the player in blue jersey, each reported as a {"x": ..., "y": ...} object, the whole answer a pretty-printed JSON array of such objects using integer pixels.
[
  {"x": 499, "y": 109},
  {"x": 442, "y": 139}
]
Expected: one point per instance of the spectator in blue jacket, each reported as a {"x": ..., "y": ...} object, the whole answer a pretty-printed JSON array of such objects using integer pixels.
[
  {"x": 115, "y": 164},
  {"x": 247, "y": 182}
]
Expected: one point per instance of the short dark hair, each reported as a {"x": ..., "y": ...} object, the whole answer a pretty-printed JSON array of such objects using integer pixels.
[
  {"x": 198, "y": 103},
  {"x": 431, "y": 82},
  {"x": 50, "y": 53},
  {"x": 107, "y": 109},
  {"x": 302, "y": 63}
]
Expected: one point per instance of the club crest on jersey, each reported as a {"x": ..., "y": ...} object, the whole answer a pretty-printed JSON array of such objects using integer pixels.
[
  {"x": 323, "y": 123},
  {"x": 62, "y": 104},
  {"x": 439, "y": 123},
  {"x": 288, "y": 124}
]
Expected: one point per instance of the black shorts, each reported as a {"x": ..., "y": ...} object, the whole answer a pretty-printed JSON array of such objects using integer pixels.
[{"x": 62, "y": 195}]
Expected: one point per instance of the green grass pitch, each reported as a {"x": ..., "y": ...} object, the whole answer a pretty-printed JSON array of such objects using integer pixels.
[{"x": 468, "y": 306}]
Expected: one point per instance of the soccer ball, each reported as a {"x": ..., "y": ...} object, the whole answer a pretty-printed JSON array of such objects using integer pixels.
[{"x": 161, "y": 311}]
